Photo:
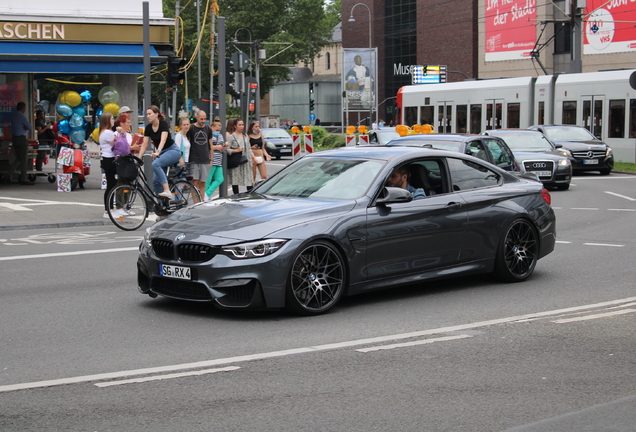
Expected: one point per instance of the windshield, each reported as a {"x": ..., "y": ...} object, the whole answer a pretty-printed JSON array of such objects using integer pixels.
[
  {"x": 438, "y": 144},
  {"x": 524, "y": 141},
  {"x": 323, "y": 178},
  {"x": 388, "y": 135},
  {"x": 568, "y": 133},
  {"x": 275, "y": 134}
]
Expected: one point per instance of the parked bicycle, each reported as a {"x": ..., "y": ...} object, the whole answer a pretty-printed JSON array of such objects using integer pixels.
[{"x": 129, "y": 204}]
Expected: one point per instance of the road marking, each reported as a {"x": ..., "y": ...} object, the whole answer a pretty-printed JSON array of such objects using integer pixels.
[
  {"x": 168, "y": 376},
  {"x": 304, "y": 350},
  {"x": 14, "y": 207},
  {"x": 60, "y": 254},
  {"x": 35, "y": 202},
  {"x": 603, "y": 244},
  {"x": 622, "y": 210},
  {"x": 614, "y": 177},
  {"x": 561, "y": 241},
  {"x": 595, "y": 316},
  {"x": 620, "y": 196},
  {"x": 410, "y": 344},
  {"x": 583, "y": 208}
]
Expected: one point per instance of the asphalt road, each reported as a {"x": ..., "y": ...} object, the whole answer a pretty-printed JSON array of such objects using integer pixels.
[{"x": 555, "y": 353}]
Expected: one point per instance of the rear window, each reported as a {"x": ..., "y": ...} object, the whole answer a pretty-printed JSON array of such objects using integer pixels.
[{"x": 275, "y": 134}]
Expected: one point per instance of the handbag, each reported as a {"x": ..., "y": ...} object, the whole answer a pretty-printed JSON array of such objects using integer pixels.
[
  {"x": 237, "y": 159},
  {"x": 126, "y": 168}
]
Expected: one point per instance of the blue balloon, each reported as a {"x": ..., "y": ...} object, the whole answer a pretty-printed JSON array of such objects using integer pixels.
[
  {"x": 78, "y": 136},
  {"x": 99, "y": 112},
  {"x": 85, "y": 94},
  {"x": 76, "y": 121},
  {"x": 64, "y": 110},
  {"x": 80, "y": 110},
  {"x": 63, "y": 126}
]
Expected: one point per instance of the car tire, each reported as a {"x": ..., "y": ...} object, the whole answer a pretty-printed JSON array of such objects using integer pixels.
[
  {"x": 317, "y": 279},
  {"x": 563, "y": 186},
  {"x": 517, "y": 252},
  {"x": 605, "y": 171}
]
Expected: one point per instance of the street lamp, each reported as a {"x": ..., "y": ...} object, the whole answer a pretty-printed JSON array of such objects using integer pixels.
[{"x": 352, "y": 19}]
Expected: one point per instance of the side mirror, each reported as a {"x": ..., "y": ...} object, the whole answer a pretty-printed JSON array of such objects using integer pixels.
[
  {"x": 558, "y": 145},
  {"x": 390, "y": 195}
]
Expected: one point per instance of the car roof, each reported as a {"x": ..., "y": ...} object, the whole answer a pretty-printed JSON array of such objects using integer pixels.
[
  {"x": 551, "y": 125},
  {"x": 436, "y": 137},
  {"x": 387, "y": 152},
  {"x": 511, "y": 130}
]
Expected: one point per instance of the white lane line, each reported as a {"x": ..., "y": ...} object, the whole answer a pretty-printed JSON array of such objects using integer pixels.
[
  {"x": 561, "y": 241},
  {"x": 60, "y": 254},
  {"x": 622, "y": 210},
  {"x": 413, "y": 343},
  {"x": 595, "y": 316},
  {"x": 168, "y": 376},
  {"x": 583, "y": 208},
  {"x": 603, "y": 244},
  {"x": 620, "y": 196},
  {"x": 613, "y": 177},
  {"x": 305, "y": 350}
]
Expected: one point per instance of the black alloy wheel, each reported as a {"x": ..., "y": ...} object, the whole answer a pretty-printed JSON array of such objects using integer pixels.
[
  {"x": 317, "y": 279},
  {"x": 517, "y": 253}
]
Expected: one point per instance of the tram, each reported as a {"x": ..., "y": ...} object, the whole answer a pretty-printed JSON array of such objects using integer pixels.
[{"x": 602, "y": 102}]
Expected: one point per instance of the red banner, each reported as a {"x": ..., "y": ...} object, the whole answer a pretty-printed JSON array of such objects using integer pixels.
[
  {"x": 510, "y": 29},
  {"x": 609, "y": 26}
]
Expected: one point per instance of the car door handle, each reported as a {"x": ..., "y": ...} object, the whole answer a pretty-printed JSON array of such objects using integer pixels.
[{"x": 452, "y": 206}]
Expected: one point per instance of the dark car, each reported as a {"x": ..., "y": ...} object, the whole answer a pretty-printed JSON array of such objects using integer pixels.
[
  {"x": 277, "y": 142},
  {"x": 382, "y": 136},
  {"x": 536, "y": 154},
  {"x": 328, "y": 225},
  {"x": 490, "y": 149},
  {"x": 585, "y": 151}
]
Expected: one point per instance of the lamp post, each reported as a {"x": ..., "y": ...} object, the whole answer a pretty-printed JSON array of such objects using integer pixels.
[{"x": 352, "y": 19}]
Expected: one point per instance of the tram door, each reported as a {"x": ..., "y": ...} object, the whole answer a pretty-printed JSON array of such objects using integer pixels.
[
  {"x": 444, "y": 116},
  {"x": 593, "y": 113},
  {"x": 494, "y": 113}
]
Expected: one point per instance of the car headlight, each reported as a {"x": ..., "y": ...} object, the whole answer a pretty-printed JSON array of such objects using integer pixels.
[
  {"x": 564, "y": 152},
  {"x": 608, "y": 152},
  {"x": 147, "y": 240},
  {"x": 269, "y": 145},
  {"x": 254, "y": 249},
  {"x": 564, "y": 162}
]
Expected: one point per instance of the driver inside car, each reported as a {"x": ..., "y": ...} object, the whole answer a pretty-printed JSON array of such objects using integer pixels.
[{"x": 400, "y": 178}]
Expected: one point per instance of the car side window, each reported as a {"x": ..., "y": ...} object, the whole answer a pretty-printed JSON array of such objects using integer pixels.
[
  {"x": 466, "y": 175},
  {"x": 476, "y": 149},
  {"x": 499, "y": 153},
  {"x": 373, "y": 138}
]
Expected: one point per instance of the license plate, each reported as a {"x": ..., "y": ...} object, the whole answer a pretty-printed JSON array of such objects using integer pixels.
[
  {"x": 174, "y": 272},
  {"x": 285, "y": 150},
  {"x": 590, "y": 161},
  {"x": 542, "y": 173}
]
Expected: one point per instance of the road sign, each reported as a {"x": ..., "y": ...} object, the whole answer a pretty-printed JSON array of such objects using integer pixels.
[
  {"x": 241, "y": 61},
  {"x": 312, "y": 117}
]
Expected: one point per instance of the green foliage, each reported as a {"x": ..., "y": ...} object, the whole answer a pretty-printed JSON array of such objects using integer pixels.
[
  {"x": 332, "y": 141},
  {"x": 625, "y": 166},
  {"x": 318, "y": 134}
]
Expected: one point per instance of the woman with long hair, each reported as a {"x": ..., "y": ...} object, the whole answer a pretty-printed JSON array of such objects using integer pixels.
[
  {"x": 165, "y": 153},
  {"x": 230, "y": 127},
  {"x": 242, "y": 174},
  {"x": 181, "y": 140},
  {"x": 257, "y": 143},
  {"x": 106, "y": 141}
]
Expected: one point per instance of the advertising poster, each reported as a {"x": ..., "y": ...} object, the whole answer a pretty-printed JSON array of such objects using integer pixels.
[
  {"x": 609, "y": 26},
  {"x": 510, "y": 29},
  {"x": 359, "y": 67},
  {"x": 12, "y": 91}
]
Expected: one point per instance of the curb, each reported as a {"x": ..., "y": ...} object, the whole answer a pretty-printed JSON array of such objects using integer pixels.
[{"x": 55, "y": 225}]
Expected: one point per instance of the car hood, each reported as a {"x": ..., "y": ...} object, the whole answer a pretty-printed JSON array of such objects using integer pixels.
[
  {"x": 521, "y": 155},
  {"x": 582, "y": 145},
  {"x": 249, "y": 217}
]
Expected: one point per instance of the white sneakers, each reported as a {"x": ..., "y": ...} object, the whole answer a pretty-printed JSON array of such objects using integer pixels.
[{"x": 167, "y": 194}]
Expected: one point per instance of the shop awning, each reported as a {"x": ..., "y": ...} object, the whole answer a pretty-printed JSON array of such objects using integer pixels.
[{"x": 73, "y": 58}]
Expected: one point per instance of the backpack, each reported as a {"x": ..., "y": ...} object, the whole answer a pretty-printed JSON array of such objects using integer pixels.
[{"x": 121, "y": 146}]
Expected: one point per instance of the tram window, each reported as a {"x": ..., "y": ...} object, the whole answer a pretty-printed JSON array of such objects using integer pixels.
[
  {"x": 513, "y": 115},
  {"x": 427, "y": 115},
  {"x": 541, "y": 113},
  {"x": 617, "y": 118},
  {"x": 569, "y": 112},
  {"x": 462, "y": 119},
  {"x": 475, "y": 119},
  {"x": 410, "y": 116},
  {"x": 632, "y": 118}
]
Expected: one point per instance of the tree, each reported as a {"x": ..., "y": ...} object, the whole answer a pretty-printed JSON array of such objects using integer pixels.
[{"x": 291, "y": 31}]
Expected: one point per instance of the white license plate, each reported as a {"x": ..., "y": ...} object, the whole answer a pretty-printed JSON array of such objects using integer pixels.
[
  {"x": 285, "y": 150},
  {"x": 174, "y": 272},
  {"x": 542, "y": 173},
  {"x": 590, "y": 162}
]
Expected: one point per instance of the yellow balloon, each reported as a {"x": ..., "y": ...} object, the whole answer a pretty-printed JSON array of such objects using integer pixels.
[
  {"x": 112, "y": 108},
  {"x": 95, "y": 135},
  {"x": 63, "y": 96},
  {"x": 73, "y": 98}
]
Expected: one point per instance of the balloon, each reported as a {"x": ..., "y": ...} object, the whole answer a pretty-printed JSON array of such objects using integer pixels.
[
  {"x": 108, "y": 95},
  {"x": 63, "y": 126},
  {"x": 99, "y": 112},
  {"x": 80, "y": 110},
  {"x": 76, "y": 121},
  {"x": 95, "y": 135},
  {"x": 63, "y": 96},
  {"x": 85, "y": 94},
  {"x": 73, "y": 98},
  {"x": 64, "y": 110},
  {"x": 112, "y": 108},
  {"x": 78, "y": 136}
]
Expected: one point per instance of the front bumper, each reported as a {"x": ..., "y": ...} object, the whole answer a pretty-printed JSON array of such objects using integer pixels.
[{"x": 592, "y": 164}]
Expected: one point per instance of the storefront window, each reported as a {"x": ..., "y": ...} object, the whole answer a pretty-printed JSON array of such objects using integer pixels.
[
  {"x": 617, "y": 118},
  {"x": 569, "y": 112}
]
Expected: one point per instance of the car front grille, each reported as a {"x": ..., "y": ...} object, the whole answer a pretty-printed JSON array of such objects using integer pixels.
[
  {"x": 586, "y": 154},
  {"x": 180, "y": 289},
  {"x": 193, "y": 252},
  {"x": 163, "y": 248},
  {"x": 541, "y": 167}
]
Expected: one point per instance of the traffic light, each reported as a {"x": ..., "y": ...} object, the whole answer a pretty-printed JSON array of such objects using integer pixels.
[
  {"x": 311, "y": 105},
  {"x": 311, "y": 87},
  {"x": 176, "y": 74},
  {"x": 229, "y": 75}
]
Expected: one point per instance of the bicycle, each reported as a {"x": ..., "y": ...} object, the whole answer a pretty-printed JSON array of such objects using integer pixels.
[{"x": 129, "y": 204}]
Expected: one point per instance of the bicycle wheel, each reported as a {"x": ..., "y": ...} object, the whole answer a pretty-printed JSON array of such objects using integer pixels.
[
  {"x": 127, "y": 207},
  {"x": 185, "y": 193}
]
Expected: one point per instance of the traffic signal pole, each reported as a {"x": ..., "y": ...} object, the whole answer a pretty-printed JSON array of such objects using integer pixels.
[{"x": 222, "y": 92}]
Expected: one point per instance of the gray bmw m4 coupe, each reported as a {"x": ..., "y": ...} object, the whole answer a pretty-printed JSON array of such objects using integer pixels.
[{"x": 347, "y": 221}]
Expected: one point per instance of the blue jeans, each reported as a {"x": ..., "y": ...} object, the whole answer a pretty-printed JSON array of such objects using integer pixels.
[{"x": 167, "y": 158}]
